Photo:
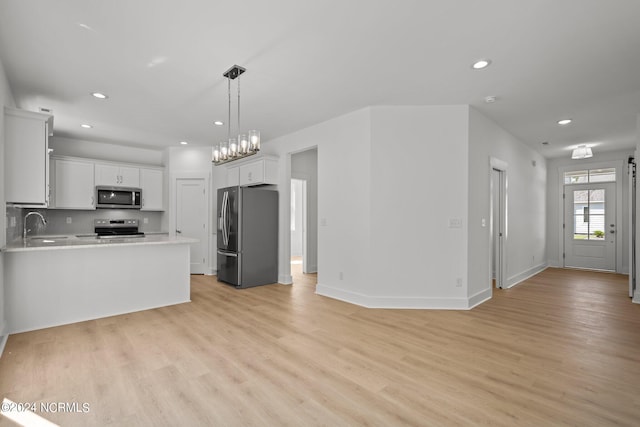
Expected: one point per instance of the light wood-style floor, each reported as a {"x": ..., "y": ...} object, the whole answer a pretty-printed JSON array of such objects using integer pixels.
[{"x": 563, "y": 348}]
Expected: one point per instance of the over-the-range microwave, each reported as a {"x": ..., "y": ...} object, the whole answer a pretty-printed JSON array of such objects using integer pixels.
[{"x": 118, "y": 197}]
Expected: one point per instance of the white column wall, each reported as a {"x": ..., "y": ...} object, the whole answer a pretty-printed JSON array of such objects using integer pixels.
[
  {"x": 6, "y": 100},
  {"x": 526, "y": 206},
  {"x": 636, "y": 296},
  {"x": 419, "y": 178},
  {"x": 343, "y": 199}
]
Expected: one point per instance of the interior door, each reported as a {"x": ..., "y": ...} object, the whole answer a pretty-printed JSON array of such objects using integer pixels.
[
  {"x": 589, "y": 226},
  {"x": 192, "y": 219}
]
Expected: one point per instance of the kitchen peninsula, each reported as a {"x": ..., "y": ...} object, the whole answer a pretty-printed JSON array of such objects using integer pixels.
[{"x": 56, "y": 280}]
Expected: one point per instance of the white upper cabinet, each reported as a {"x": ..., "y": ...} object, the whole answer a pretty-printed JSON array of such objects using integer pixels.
[
  {"x": 26, "y": 162},
  {"x": 263, "y": 171},
  {"x": 117, "y": 175},
  {"x": 73, "y": 186},
  {"x": 152, "y": 184}
]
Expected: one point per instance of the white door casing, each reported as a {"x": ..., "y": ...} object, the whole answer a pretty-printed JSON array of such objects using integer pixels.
[
  {"x": 498, "y": 221},
  {"x": 192, "y": 219}
]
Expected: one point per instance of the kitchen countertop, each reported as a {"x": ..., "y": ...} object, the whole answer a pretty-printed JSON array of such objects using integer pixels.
[{"x": 61, "y": 242}]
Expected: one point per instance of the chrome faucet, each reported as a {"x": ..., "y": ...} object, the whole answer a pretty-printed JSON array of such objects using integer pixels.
[{"x": 24, "y": 231}]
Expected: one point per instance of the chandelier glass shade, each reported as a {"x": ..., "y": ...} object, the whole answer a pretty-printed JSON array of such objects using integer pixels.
[{"x": 246, "y": 143}]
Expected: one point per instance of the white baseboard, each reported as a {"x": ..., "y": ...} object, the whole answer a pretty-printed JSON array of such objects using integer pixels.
[
  {"x": 636, "y": 297},
  {"x": 393, "y": 302},
  {"x": 285, "y": 279},
  {"x": 520, "y": 277},
  {"x": 4, "y": 336},
  {"x": 480, "y": 297},
  {"x": 312, "y": 269}
]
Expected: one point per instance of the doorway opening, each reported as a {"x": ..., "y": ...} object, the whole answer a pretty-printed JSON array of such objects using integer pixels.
[
  {"x": 303, "y": 227},
  {"x": 299, "y": 223},
  {"x": 498, "y": 209}
]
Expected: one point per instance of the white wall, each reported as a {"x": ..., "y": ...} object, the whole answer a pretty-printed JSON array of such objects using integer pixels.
[
  {"x": 636, "y": 296},
  {"x": 104, "y": 151},
  {"x": 555, "y": 208},
  {"x": 343, "y": 198},
  {"x": 304, "y": 165},
  {"x": 390, "y": 179},
  {"x": 526, "y": 205},
  {"x": 6, "y": 99},
  {"x": 419, "y": 180}
]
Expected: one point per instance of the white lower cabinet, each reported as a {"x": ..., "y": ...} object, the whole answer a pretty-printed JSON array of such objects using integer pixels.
[
  {"x": 73, "y": 186},
  {"x": 152, "y": 184}
]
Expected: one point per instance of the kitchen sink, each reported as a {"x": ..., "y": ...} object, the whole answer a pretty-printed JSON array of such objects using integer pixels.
[{"x": 47, "y": 239}]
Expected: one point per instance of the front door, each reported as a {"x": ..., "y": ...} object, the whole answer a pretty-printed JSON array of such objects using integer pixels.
[
  {"x": 192, "y": 219},
  {"x": 589, "y": 226}
]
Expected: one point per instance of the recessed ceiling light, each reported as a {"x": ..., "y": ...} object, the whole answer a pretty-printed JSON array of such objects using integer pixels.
[
  {"x": 218, "y": 123},
  {"x": 481, "y": 63},
  {"x": 183, "y": 142},
  {"x": 564, "y": 122},
  {"x": 99, "y": 95},
  {"x": 86, "y": 126},
  {"x": 490, "y": 99}
]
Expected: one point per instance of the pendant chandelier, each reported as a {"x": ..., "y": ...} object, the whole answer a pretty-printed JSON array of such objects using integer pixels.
[{"x": 246, "y": 143}]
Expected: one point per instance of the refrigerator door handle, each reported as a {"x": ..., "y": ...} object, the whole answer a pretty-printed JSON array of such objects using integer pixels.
[
  {"x": 221, "y": 214},
  {"x": 225, "y": 239},
  {"x": 227, "y": 219},
  {"x": 228, "y": 254}
]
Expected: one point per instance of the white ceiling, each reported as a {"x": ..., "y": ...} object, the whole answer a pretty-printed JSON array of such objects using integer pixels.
[{"x": 161, "y": 63}]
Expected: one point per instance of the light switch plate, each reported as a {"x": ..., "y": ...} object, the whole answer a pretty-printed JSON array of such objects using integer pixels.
[{"x": 455, "y": 223}]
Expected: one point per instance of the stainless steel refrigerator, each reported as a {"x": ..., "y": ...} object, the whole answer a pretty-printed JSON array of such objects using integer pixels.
[{"x": 247, "y": 236}]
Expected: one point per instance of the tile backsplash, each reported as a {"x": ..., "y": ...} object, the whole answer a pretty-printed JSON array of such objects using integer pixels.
[{"x": 65, "y": 221}]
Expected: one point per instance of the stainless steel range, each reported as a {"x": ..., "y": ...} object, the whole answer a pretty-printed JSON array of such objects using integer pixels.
[{"x": 116, "y": 228}]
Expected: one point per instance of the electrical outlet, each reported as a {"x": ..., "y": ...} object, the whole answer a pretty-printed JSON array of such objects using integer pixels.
[
  {"x": 145, "y": 221},
  {"x": 69, "y": 220},
  {"x": 459, "y": 282},
  {"x": 323, "y": 222},
  {"x": 484, "y": 222}
]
